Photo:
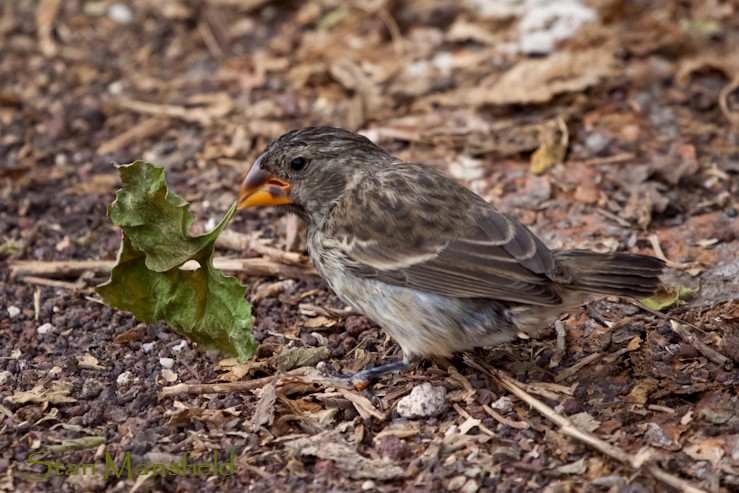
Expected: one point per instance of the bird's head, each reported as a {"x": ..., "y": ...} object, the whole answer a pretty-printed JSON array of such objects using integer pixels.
[{"x": 306, "y": 170}]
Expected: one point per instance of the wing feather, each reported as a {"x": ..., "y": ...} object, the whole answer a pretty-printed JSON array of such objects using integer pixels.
[{"x": 467, "y": 249}]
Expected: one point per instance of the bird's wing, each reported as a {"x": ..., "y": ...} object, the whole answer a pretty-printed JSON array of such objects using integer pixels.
[{"x": 411, "y": 226}]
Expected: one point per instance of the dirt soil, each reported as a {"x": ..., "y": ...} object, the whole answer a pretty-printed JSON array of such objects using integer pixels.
[{"x": 620, "y": 135}]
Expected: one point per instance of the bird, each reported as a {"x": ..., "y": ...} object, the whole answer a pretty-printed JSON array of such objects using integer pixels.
[{"x": 441, "y": 270}]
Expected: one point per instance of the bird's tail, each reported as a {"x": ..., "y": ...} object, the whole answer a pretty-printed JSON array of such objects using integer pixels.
[{"x": 623, "y": 274}]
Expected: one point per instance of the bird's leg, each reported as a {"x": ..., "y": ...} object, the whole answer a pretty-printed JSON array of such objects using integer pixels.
[{"x": 361, "y": 379}]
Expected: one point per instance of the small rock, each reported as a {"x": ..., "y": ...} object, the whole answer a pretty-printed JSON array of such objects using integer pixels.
[
  {"x": 4, "y": 376},
  {"x": 456, "y": 483},
  {"x": 470, "y": 486},
  {"x": 504, "y": 404},
  {"x": 148, "y": 347},
  {"x": 166, "y": 363},
  {"x": 124, "y": 378},
  {"x": 424, "y": 400},
  {"x": 543, "y": 26},
  {"x": 179, "y": 347},
  {"x": 393, "y": 448},
  {"x": 120, "y": 13},
  {"x": 13, "y": 311},
  {"x": 368, "y": 485},
  {"x": 169, "y": 375},
  {"x": 45, "y": 329}
]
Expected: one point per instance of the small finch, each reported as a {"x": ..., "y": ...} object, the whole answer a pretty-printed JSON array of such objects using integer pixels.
[{"x": 440, "y": 269}]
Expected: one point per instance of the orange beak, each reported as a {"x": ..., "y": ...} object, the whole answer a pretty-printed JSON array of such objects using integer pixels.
[{"x": 262, "y": 188}]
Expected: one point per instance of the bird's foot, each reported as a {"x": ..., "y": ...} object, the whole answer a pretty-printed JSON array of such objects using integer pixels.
[{"x": 362, "y": 379}]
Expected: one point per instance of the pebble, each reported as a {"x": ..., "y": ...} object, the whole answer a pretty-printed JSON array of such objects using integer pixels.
[
  {"x": 166, "y": 363},
  {"x": 504, "y": 404},
  {"x": 124, "y": 378},
  {"x": 543, "y": 26},
  {"x": 45, "y": 329},
  {"x": 13, "y": 311},
  {"x": 424, "y": 400},
  {"x": 368, "y": 485},
  {"x": 120, "y": 13},
  {"x": 148, "y": 347},
  {"x": 456, "y": 483},
  {"x": 4, "y": 376},
  {"x": 471, "y": 486},
  {"x": 179, "y": 347}
]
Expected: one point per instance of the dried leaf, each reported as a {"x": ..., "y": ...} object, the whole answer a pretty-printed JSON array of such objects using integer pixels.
[
  {"x": 58, "y": 394},
  {"x": 329, "y": 445}
]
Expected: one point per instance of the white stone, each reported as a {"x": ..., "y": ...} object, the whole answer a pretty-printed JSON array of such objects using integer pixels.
[
  {"x": 13, "y": 311},
  {"x": 148, "y": 347},
  {"x": 504, "y": 404},
  {"x": 456, "y": 483},
  {"x": 45, "y": 329},
  {"x": 122, "y": 14},
  {"x": 543, "y": 26},
  {"x": 471, "y": 486},
  {"x": 166, "y": 363},
  {"x": 5, "y": 376},
  {"x": 424, "y": 400},
  {"x": 179, "y": 347},
  {"x": 124, "y": 378}
]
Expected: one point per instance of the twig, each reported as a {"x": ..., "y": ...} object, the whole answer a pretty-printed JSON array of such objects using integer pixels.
[
  {"x": 654, "y": 240},
  {"x": 613, "y": 217},
  {"x": 258, "y": 267},
  {"x": 363, "y": 405},
  {"x": 617, "y": 158},
  {"x": 474, "y": 421},
  {"x": 138, "y": 132},
  {"x": 43, "y": 281},
  {"x": 519, "y": 425},
  {"x": 637, "y": 462},
  {"x": 577, "y": 366},
  {"x": 46, "y": 17},
  {"x": 559, "y": 351},
  {"x": 234, "y": 240},
  {"x": 307, "y": 375},
  {"x": 723, "y": 101},
  {"x": 702, "y": 348},
  {"x": 224, "y": 388}
]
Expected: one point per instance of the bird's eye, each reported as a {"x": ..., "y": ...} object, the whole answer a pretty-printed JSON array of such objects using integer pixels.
[{"x": 298, "y": 163}]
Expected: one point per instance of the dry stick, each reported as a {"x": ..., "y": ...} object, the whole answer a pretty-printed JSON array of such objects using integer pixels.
[
  {"x": 702, "y": 348},
  {"x": 561, "y": 348},
  {"x": 569, "y": 429},
  {"x": 613, "y": 217},
  {"x": 258, "y": 267},
  {"x": 577, "y": 366},
  {"x": 723, "y": 101},
  {"x": 224, "y": 388},
  {"x": 617, "y": 158},
  {"x": 519, "y": 425},
  {"x": 146, "y": 128},
  {"x": 304, "y": 374},
  {"x": 43, "y": 281},
  {"x": 654, "y": 240}
]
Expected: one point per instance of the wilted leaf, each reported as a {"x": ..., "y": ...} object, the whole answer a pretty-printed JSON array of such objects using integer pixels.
[
  {"x": 666, "y": 298},
  {"x": 57, "y": 394},
  {"x": 77, "y": 443},
  {"x": 202, "y": 304}
]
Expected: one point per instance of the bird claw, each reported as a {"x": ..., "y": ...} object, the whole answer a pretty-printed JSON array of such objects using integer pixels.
[{"x": 362, "y": 379}]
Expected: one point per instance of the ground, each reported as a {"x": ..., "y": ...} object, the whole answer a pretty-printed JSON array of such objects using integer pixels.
[{"x": 620, "y": 135}]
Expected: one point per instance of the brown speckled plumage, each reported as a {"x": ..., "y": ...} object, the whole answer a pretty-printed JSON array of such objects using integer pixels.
[{"x": 430, "y": 261}]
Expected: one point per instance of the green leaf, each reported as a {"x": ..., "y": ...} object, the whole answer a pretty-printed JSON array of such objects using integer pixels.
[
  {"x": 202, "y": 304},
  {"x": 665, "y": 298}
]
